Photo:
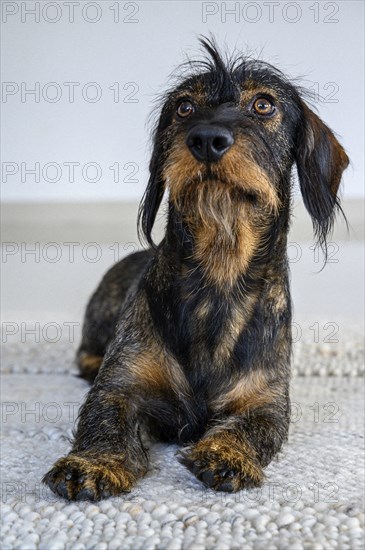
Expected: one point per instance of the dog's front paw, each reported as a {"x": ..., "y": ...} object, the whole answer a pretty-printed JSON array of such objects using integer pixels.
[
  {"x": 89, "y": 476},
  {"x": 221, "y": 466}
]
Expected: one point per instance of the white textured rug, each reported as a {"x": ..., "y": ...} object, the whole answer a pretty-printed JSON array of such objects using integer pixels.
[{"x": 312, "y": 499}]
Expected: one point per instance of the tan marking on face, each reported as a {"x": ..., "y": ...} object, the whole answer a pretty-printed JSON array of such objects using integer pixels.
[
  {"x": 197, "y": 97},
  {"x": 251, "y": 88},
  {"x": 237, "y": 169},
  {"x": 250, "y": 91},
  {"x": 250, "y": 392},
  {"x": 227, "y": 229}
]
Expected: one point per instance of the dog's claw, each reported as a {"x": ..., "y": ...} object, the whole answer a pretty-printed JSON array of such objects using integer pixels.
[
  {"x": 85, "y": 494},
  {"x": 222, "y": 469},
  {"x": 207, "y": 478},
  {"x": 226, "y": 487}
]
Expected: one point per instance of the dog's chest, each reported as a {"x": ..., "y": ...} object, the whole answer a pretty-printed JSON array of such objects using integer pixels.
[{"x": 209, "y": 329}]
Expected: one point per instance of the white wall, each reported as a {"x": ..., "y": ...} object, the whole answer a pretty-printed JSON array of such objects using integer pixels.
[{"x": 321, "y": 40}]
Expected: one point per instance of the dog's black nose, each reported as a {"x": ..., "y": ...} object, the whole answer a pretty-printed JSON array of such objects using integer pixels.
[{"x": 209, "y": 142}]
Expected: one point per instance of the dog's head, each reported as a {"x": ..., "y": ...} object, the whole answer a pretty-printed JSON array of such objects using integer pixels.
[{"x": 228, "y": 135}]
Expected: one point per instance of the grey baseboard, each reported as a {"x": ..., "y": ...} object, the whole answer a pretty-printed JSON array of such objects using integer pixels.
[{"x": 117, "y": 222}]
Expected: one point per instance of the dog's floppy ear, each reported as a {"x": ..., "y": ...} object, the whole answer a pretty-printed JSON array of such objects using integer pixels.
[
  {"x": 320, "y": 162},
  {"x": 152, "y": 196}
]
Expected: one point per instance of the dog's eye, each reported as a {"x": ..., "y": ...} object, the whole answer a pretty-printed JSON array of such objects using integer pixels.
[
  {"x": 185, "y": 109},
  {"x": 263, "y": 106}
]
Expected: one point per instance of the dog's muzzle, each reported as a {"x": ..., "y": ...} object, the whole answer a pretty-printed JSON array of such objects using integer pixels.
[{"x": 209, "y": 142}]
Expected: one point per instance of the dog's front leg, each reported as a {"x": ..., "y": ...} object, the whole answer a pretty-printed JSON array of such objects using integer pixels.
[
  {"x": 232, "y": 454},
  {"x": 107, "y": 455}
]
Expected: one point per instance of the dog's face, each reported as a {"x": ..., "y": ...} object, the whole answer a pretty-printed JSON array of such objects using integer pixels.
[{"x": 229, "y": 136}]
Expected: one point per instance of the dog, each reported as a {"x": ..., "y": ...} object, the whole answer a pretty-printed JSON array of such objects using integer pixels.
[{"x": 190, "y": 340}]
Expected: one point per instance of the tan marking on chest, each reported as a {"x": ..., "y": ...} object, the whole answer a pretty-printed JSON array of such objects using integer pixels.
[
  {"x": 156, "y": 371},
  {"x": 250, "y": 392},
  {"x": 234, "y": 325}
]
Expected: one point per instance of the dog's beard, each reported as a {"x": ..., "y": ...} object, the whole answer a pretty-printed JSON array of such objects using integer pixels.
[
  {"x": 217, "y": 195},
  {"x": 228, "y": 227},
  {"x": 224, "y": 209},
  {"x": 210, "y": 204}
]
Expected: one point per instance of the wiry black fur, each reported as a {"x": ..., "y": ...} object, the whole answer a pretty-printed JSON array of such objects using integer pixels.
[{"x": 196, "y": 342}]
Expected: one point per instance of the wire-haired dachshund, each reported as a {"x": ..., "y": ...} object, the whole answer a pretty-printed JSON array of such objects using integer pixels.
[{"x": 190, "y": 340}]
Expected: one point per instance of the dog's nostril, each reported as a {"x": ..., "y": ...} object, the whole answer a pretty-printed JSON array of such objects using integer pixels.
[
  {"x": 197, "y": 142},
  {"x": 219, "y": 143}
]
